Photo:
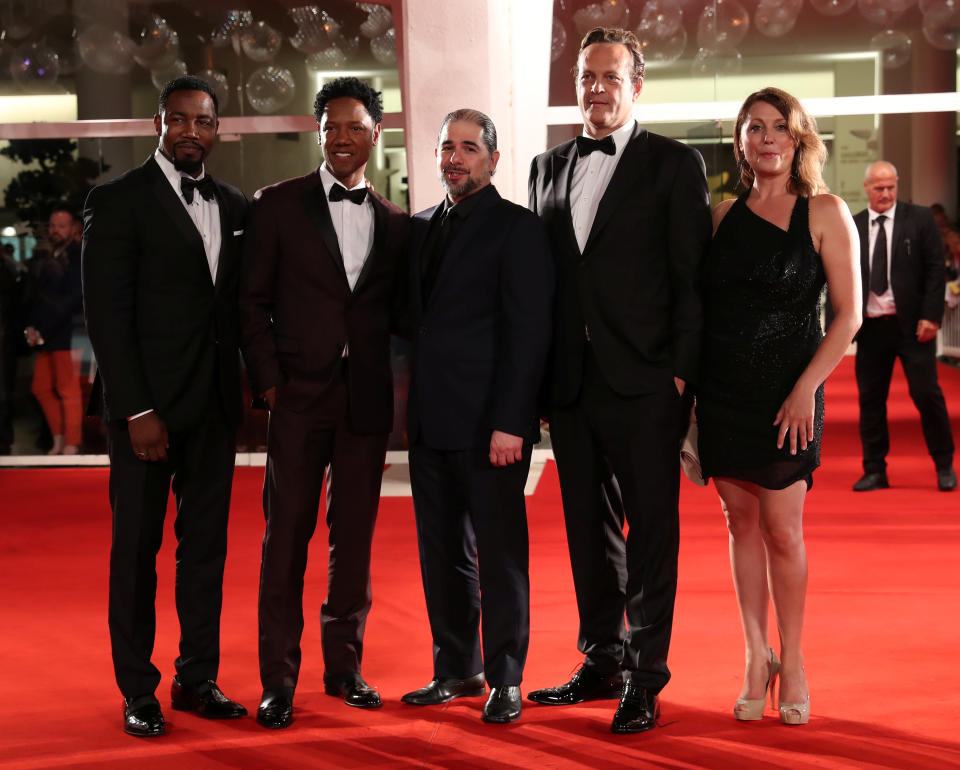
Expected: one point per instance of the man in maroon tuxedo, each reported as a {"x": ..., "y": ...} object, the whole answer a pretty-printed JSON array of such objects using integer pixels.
[{"x": 319, "y": 270}]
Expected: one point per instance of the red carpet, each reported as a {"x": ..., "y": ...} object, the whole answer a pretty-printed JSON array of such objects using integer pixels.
[{"x": 881, "y": 636}]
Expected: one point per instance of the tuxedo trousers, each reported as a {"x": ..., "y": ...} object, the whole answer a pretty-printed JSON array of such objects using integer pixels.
[
  {"x": 302, "y": 448},
  {"x": 880, "y": 342},
  {"x": 474, "y": 560},
  {"x": 618, "y": 462},
  {"x": 199, "y": 469}
]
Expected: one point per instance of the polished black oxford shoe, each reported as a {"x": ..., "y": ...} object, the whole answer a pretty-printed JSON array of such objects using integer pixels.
[
  {"x": 206, "y": 699},
  {"x": 142, "y": 717},
  {"x": 638, "y": 711},
  {"x": 946, "y": 479},
  {"x": 275, "y": 711},
  {"x": 586, "y": 684},
  {"x": 354, "y": 691},
  {"x": 871, "y": 481},
  {"x": 503, "y": 705},
  {"x": 443, "y": 689}
]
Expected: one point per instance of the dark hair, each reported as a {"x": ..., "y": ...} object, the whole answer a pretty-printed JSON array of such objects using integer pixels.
[
  {"x": 810, "y": 153},
  {"x": 474, "y": 116},
  {"x": 351, "y": 88},
  {"x": 64, "y": 210},
  {"x": 623, "y": 37},
  {"x": 188, "y": 83}
]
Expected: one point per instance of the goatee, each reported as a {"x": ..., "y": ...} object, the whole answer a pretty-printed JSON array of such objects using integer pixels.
[{"x": 191, "y": 167}]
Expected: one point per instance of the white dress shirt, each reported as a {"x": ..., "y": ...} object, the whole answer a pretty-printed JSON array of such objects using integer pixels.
[
  {"x": 883, "y": 304},
  {"x": 205, "y": 214},
  {"x": 353, "y": 225},
  {"x": 591, "y": 175}
]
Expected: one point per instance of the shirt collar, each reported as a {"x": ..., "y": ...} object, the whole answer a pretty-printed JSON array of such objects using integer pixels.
[
  {"x": 328, "y": 180},
  {"x": 621, "y": 136},
  {"x": 172, "y": 174},
  {"x": 889, "y": 213}
]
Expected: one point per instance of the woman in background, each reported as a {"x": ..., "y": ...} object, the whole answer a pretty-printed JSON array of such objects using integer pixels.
[{"x": 760, "y": 400}]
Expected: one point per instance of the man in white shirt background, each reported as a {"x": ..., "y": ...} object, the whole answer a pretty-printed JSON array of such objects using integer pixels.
[{"x": 902, "y": 265}]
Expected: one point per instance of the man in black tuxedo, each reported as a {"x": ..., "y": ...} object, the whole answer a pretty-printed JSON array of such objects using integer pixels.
[
  {"x": 902, "y": 265},
  {"x": 481, "y": 282},
  {"x": 629, "y": 220},
  {"x": 321, "y": 259},
  {"x": 161, "y": 267}
]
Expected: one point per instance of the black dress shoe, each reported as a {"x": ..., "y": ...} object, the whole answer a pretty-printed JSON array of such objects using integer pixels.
[
  {"x": 871, "y": 481},
  {"x": 275, "y": 711},
  {"x": 443, "y": 689},
  {"x": 946, "y": 479},
  {"x": 354, "y": 691},
  {"x": 142, "y": 717},
  {"x": 206, "y": 699},
  {"x": 638, "y": 711},
  {"x": 503, "y": 705},
  {"x": 586, "y": 684}
]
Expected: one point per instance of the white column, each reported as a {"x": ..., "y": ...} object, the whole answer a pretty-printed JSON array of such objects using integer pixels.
[{"x": 492, "y": 56}]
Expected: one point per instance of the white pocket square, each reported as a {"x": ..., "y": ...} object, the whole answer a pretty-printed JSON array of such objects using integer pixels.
[{"x": 238, "y": 232}]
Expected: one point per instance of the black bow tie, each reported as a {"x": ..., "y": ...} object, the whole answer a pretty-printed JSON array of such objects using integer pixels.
[
  {"x": 204, "y": 186},
  {"x": 340, "y": 193},
  {"x": 586, "y": 145}
]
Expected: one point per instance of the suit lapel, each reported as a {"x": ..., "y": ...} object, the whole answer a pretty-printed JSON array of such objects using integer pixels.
[
  {"x": 627, "y": 174},
  {"x": 379, "y": 240},
  {"x": 416, "y": 261},
  {"x": 864, "y": 228},
  {"x": 899, "y": 220},
  {"x": 562, "y": 176},
  {"x": 171, "y": 205},
  {"x": 226, "y": 233},
  {"x": 315, "y": 202}
]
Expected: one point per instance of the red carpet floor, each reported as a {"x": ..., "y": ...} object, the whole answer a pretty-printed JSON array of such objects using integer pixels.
[{"x": 881, "y": 636}]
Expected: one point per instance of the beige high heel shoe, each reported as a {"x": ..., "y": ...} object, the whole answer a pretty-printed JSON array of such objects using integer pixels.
[
  {"x": 795, "y": 713},
  {"x": 751, "y": 709}
]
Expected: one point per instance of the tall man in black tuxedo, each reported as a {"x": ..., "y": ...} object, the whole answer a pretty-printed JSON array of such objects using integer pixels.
[
  {"x": 481, "y": 282},
  {"x": 161, "y": 267},
  {"x": 320, "y": 262},
  {"x": 629, "y": 219},
  {"x": 902, "y": 265}
]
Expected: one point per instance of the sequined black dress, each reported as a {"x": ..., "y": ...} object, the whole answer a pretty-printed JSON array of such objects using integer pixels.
[{"x": 762, "y": 290}]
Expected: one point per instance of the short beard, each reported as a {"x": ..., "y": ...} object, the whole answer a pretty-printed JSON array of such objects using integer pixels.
[
  {"x": 191, "y": 167},
  {"x": 467, "y": 186}
]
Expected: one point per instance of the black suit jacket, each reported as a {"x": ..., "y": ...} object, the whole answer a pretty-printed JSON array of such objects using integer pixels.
[
  {"x": 481, "y": 339},
  {"x": 298, "y": 310},
  {"x": 165, "y": 336},
  {"x": 917, "y": 270},
  {"x": 55, "y": 297},
  {"x": 636, "y": 287}
]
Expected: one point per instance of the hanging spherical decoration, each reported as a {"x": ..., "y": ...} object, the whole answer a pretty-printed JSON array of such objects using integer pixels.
[
  {"x": 260, "y": 42},
  {"x": 379, "y": 20},
  {"x": 105, "y": 50},
  {"x": 894, "y": 47},
  {"x": 559, "y": 41},
  {"x": 34, "y": 66},
  {"x": 317, "y": 29},
  {"x": 609, "y": 13},
  {"x": 941, "y": 25},
  {"x": 163, "y": 75},
  {"x": 384, "y": 47},
  {"x": 232, "y": 23},
  {"x": 661, "y": 47},
  {"x": 722, "y": 24},
  {"x": 775, "y": 20},
  {"x": 220, "y": 85},
  {"x": 270, "y": 89},
  {"x": 878, "y": 12},
  {"x": 158, "y": 45}
]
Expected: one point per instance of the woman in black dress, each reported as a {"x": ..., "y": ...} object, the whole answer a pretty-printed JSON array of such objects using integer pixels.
[{"x": 760, "y": 400}]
